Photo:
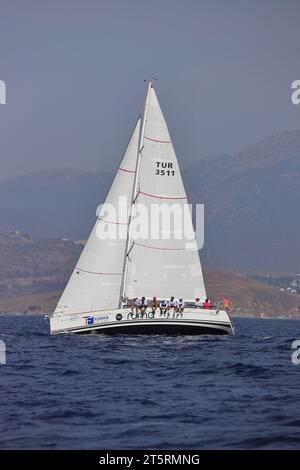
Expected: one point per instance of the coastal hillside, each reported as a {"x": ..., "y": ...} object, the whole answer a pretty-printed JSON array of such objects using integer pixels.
[
  {"x": 249, "y": 298},
  {"x": 34, "y": 271}
]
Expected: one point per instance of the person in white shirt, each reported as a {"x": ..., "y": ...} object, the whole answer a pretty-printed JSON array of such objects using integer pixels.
[
  {"x": 180, "y": 305},
  {"x": 197, "y": 303},
  {"x": 173, "y": 304},
  {"x": 163, "y": 307},
  {"x": 136, "y": 303}
]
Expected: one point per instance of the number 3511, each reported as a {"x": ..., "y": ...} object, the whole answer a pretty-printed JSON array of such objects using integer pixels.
[{"x": 165, "y": 172}]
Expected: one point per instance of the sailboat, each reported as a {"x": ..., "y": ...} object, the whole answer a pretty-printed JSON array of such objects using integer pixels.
[{"x": 120, "y": 262}]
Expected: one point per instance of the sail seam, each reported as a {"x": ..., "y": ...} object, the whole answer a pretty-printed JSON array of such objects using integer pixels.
[
  {"x": 163, "y": 249},
  {"x": 93, "y": 272},
  {"x": 156, "y": 140},
  {"x": 126, "y": 171},
  {"x": 161, "y": 197},
  {"x": 111, "y": 222}
]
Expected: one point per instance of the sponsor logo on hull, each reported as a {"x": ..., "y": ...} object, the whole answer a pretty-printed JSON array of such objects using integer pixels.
[
  {"x": 140, "y": 316},
  {"x": 96, "y": 319}
]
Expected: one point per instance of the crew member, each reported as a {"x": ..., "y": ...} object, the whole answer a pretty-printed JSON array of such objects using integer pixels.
[
  {"x": 173, "y": 304},
  {"x": 197, "y": 303},
  {"x": 163, "y": 307},
  {"x": 143, "y": 306},
  {"x": 207, "y": 304},
  {"x": 180, "y": 305},
  {"x": 154, "y": 305},
  {"x": 136, "y": 302}
]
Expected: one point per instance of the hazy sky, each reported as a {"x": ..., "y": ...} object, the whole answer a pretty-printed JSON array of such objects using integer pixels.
[{"x": 74, "y": 72}]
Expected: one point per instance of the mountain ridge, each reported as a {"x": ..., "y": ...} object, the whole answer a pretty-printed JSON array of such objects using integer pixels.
[{"x": 250, "y": 203}]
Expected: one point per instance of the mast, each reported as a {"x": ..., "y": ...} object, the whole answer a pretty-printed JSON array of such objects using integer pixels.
[{"x": 134, "y": 195}]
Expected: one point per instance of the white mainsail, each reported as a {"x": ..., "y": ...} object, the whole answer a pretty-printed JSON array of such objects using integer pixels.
[
  {"x": 97, "y": 278},
  {"x": 169, "y": 264}
]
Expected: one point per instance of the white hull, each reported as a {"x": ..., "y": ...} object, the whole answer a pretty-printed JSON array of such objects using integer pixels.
[{"x": 122, "y": 321}]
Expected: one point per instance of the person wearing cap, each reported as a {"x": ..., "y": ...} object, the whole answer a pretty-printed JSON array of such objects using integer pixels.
[{"x": 197, "y": 303}]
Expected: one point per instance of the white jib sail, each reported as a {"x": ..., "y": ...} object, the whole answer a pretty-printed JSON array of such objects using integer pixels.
[
  {"x": 96, "y": 281},
  {"x": 165, "y": 263}
]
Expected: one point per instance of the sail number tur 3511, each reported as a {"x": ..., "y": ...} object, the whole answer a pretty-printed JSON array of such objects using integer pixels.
[{"x": 164, "y": 169}]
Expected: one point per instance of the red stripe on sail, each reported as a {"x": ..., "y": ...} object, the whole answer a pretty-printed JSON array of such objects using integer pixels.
[
  {"x": 126, "y": 171},
  {"x": 161, "y": 197},
  {"x": 111, "y": 222},
  {"x": 156, "y": 140}
]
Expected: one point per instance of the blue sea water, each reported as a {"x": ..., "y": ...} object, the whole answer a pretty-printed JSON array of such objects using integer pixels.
[{"x": 159, "y": 392}]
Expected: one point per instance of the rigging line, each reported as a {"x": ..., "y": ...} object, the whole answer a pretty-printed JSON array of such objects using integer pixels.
[
  {"x": 93, "y": 272},
  {"x": 161, "y": 197},
  {"x": 111, "y": 222},
  {"x": 159, "y": 141}
]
